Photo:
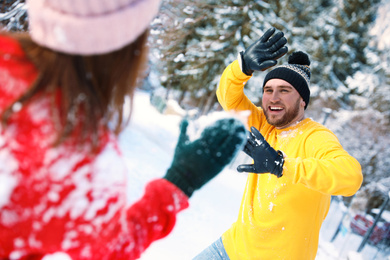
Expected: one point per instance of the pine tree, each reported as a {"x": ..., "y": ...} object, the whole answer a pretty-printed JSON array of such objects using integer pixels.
[
  {"x": 198, "y": 39},
  {"x": 13, "y": 16}
]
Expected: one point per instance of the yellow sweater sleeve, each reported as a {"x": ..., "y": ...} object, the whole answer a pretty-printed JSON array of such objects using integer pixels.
[
  {"x": 326, "y": 166},
  {"x": 230, "y": 93}
]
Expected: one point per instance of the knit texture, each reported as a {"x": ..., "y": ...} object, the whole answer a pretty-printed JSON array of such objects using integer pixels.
[
  {"x": 197, "y": 162},
  {"x": 89, "y": 27},
  {"x": 296, "y": 72}
]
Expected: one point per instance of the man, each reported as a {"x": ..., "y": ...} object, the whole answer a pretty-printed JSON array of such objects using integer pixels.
[{"x": 288, "y": 191}]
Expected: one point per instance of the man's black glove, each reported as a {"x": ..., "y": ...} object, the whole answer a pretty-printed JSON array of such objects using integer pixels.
[
  {"x": 264, "y": 52},
  {"x": 197, "y": 162},
  {"x": 265, "y": 158}
]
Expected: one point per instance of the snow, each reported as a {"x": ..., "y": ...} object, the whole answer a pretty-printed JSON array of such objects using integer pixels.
[
  {"x": 57, "y": 256},
  {"x": 382, "y": 29},
  {"x": 7, "y": 181},
  {"x": 148, "y": 144}
]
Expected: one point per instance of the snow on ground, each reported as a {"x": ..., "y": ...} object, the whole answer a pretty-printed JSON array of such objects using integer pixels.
[{"x": 148, "y": 145}]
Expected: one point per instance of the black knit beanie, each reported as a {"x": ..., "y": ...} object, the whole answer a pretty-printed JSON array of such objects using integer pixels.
[{"x": 296, "y": 72}]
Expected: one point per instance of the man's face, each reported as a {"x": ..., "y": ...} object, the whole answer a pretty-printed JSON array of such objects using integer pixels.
[{"x": 282, "y": 104}]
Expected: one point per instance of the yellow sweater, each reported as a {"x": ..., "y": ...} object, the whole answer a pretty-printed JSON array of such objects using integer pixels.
[{"x": 280, "y": 218}]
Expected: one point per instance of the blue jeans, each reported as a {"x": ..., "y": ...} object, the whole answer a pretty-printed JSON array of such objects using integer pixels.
[{"x": 215, "y": 251}]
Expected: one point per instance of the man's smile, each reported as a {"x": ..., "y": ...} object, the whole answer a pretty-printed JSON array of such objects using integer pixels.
[{"x": 275, "y": 109}]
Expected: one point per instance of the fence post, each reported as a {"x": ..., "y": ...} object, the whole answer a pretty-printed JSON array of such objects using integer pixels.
[
  {"x": 371, "y": 229},
  {"x": 327, "y": 112},
  {"x": 345, "y": 212}
]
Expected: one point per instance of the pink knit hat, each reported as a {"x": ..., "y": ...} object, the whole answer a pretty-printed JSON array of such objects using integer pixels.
[{"x": 89, "y": 27}]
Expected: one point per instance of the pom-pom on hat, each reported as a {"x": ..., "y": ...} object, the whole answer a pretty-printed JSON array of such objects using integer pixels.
[
  {"x": 296, "y": 72},
  {"x": 89, "y": 27}
]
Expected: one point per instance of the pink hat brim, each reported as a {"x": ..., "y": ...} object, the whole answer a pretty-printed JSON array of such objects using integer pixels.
[{"x": 89, "y": 35}]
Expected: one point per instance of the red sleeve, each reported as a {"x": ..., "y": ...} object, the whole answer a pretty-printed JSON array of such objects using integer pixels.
[{"x": 154, "y": 215}]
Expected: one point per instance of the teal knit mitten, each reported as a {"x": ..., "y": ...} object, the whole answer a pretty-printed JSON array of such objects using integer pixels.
[{"x": 197, "y": 162}]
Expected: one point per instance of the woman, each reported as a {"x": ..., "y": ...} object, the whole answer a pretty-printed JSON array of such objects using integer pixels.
[{"x": 62, "y": 90}]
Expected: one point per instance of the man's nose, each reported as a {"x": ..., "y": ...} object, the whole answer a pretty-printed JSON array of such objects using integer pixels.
[{"x": 275, "y": 96}]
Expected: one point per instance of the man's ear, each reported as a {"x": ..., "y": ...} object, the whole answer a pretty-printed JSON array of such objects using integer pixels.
[{"x": 303, "y": 103}]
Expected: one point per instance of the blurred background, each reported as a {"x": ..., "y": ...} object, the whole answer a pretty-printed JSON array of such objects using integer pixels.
[{"x": 191, "y": 43}]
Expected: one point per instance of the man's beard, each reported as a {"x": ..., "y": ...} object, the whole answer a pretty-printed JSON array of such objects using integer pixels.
[{"x": 286, "y": 119}]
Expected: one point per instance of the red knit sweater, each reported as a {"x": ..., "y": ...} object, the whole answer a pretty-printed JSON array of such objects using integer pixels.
[{"x": 63, "y": 199}]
